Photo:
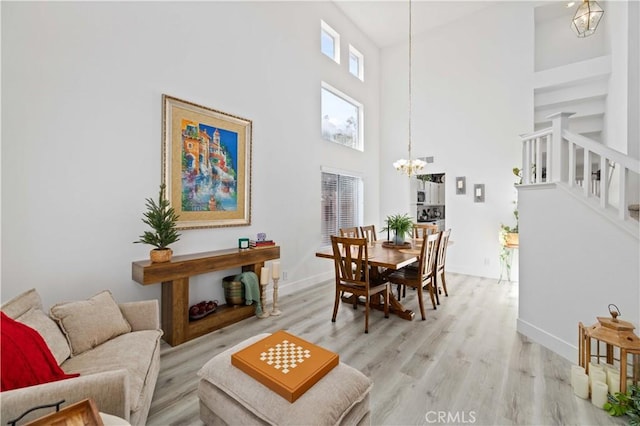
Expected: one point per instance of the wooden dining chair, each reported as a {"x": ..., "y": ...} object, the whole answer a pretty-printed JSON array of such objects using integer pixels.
[
  {"x": 351, "y": 260},
  {"x": 349, "y": 232},
  {"x": 422, "y": 276},
  {"x": 442, "y": 257},
  {"x": 420, "y": 230},
  {"x": 369, "y": 232}
]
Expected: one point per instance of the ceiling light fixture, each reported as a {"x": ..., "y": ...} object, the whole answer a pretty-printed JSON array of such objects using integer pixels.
[
  {"x": 409, "y": 167},
  {"x": 587, "y": 18}
]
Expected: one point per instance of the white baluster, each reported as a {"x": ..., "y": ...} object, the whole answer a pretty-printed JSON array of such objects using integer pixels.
[
  {"x": 604, "y": 179},
  {"x": 538, "y": 176},
  {"x": 623, "y": 213},
  {"x": 587, "y": 173},
  {"x": 572, "y": 164}
]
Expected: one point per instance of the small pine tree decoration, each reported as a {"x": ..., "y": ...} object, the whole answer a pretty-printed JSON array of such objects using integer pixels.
[{"x": 162, "y": 218}]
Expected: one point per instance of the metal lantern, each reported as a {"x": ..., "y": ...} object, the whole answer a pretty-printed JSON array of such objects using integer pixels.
[
  {"x": 612, "y": 341},
  {"x": 587, "y": 18}
]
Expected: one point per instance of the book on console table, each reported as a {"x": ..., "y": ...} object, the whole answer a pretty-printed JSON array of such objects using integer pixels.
[{"x": 286, "y": 364}]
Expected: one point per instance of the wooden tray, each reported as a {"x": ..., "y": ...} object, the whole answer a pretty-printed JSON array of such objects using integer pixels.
[
  {"x": 301, "y": 365},
  {"x": 83, "y": 413},
  {"x": 390, "y": 244}
]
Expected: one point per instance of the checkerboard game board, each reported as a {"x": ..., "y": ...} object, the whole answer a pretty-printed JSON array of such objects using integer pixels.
[{"x": 285, "y": 363}]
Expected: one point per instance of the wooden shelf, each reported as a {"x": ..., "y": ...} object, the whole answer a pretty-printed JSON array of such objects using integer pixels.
[{"x": 174, "y": 276}]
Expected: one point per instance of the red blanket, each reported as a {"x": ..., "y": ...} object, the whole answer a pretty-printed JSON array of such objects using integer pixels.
[{"x": 26, "y": 360}]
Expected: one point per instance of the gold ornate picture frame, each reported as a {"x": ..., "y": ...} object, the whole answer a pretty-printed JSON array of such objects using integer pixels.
[{"x": 206, "y": 163}]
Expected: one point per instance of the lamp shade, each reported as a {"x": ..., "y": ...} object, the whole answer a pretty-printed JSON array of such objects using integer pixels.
[{"x": 587, "y": 18}]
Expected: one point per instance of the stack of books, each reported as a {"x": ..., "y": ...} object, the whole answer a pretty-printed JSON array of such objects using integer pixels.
[{"x": 263, "y": 243}]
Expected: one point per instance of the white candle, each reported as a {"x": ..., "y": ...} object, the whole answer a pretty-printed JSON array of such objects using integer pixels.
[
  {"x": 575, "y": 370},
  {"x": 613, "y": 383},
  {"x": 264, "y": 276},
  {"x": 275, "y": 270},
  {"x": 599, "y": 394},
  {"x": 581, "y": 388},
  {"x": 611, "y": 369},
  {"x": 598, "y": 376},
  {"x": 595, "y": 367}
]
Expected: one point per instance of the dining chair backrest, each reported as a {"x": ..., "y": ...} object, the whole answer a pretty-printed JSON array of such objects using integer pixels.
[
  {"x": 428, "y": 252},
  {"x": 349, "y": 232},
  {"x": 351, "y": 260},
  {"x": 368, "y": 232},
  {"x": 442, "y": 248},
  {"x": 421, "y": 230}
]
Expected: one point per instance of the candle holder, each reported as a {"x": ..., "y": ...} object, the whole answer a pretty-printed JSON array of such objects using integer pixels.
[
  {"x": 263, "y": 301},
  {"x": 275, "y": 311}
]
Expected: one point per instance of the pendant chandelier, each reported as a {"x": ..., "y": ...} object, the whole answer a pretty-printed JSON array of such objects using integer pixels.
[
  {"x": 409, "y": 167},
  {"x": 587, "y": 18}
]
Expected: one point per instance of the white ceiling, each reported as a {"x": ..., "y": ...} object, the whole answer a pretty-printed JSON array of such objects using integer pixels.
[{"x": 387, "y": 22}]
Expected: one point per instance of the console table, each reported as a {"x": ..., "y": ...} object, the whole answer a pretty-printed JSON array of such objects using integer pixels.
[{"x": 174, "y": 276}]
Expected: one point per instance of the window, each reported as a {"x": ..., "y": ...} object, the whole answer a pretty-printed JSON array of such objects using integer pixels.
[
  {"x": 356, "y": 60},
  {"x": 341, "y": 118},
  {"x": 342, "y": 203},
  {"x": 329, "y": 42}
]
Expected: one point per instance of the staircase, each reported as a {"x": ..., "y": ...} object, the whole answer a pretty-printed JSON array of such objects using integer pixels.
[
  {"x": 579, "y": 244},
  {"x": 602, "y": 177}
]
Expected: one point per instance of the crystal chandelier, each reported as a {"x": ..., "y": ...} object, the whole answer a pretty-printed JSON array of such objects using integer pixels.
[
  {"x": 587, "y": 18},
  {"x": 409, "y": 167}
]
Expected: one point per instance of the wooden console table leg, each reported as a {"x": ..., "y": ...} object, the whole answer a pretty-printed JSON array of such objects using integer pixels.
[{"x": 175, "y": 310}]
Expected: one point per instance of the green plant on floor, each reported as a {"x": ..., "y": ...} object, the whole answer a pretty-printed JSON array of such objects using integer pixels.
[
  {"x": 625, "y": 403},
  {"x": 400, "y": 224},
  {"x": 505, "y": 239},
  {"x": 162, "y": 218}
]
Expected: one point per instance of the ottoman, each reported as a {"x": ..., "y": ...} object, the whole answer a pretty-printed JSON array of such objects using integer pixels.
[{"x": 229, "y": 396}]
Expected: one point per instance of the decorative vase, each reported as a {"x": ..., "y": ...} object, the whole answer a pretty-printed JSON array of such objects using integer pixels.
[
  {"x": 512, "y": 238},
  {"x": 398, "y": 239},
  {"x": 160, "y": 255}
]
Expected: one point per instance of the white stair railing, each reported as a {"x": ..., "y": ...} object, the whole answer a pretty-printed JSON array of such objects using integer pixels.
[{"x": 550, "y": 155}]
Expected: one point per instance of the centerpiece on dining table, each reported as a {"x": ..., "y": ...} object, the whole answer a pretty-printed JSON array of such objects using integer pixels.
[{"x": 400, "y": 224}]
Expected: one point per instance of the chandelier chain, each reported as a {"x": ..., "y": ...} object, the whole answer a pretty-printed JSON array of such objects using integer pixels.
[{"x": 410, "y": 93}]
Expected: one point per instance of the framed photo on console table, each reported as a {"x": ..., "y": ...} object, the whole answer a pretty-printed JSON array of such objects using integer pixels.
[{"x": 206, "y": 163}]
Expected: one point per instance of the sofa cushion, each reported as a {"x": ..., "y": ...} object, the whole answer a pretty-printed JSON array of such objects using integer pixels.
[
  {"x": 26, "y": 359},
  {"x": 89, "y": 323},
  {"x": 133, "y": 352},
  {"x": 49, "y": 331},
  {"x": 22, "y": 303}
]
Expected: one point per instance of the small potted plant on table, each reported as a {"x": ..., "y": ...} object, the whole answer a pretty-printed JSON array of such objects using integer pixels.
[
  {"x": 400, "y": 224},
  {"x": 162, "y": 218}
]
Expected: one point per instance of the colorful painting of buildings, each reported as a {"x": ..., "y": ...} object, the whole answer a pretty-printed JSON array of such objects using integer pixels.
[{"x": 209, "y": 168}]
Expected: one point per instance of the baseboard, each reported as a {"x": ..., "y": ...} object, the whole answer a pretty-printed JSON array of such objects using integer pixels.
[
  {"x": 551, "y": 342},
  {"x": 289, "y": 287}
]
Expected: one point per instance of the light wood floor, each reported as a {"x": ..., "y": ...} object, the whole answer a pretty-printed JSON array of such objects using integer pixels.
[{"x": 465, "y": 360}]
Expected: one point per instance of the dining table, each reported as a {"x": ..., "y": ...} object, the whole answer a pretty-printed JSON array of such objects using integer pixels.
[{"x": 386, "y": 258}]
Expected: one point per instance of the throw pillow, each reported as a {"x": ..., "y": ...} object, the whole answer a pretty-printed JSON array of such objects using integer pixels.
[
  {"x": 22, "y": 303},
  {"x": 89, "y": 323},
  {"x": 25, "y": 358},
  {"x": 49, "y": 331}
]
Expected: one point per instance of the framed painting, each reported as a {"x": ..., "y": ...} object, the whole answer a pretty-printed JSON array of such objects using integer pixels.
[{"x": 206, "y": 166}]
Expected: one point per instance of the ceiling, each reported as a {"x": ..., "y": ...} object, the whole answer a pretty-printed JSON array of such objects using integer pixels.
[{"x": 387, "y": 22}]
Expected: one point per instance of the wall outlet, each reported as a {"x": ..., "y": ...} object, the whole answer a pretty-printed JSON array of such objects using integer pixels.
[{"x": 284, "y": 275}]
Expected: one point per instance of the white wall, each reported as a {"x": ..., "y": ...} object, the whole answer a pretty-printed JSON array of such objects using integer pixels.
[
  {"x": 573, "y": 264},
  {"x": 472, "y": 97},
  {"x": 616, "y": 118},
  {"x": 81, "y": 135}
]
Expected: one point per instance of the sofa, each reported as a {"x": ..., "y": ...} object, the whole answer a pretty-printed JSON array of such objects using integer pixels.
[{"x": 115, "y": 349}]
